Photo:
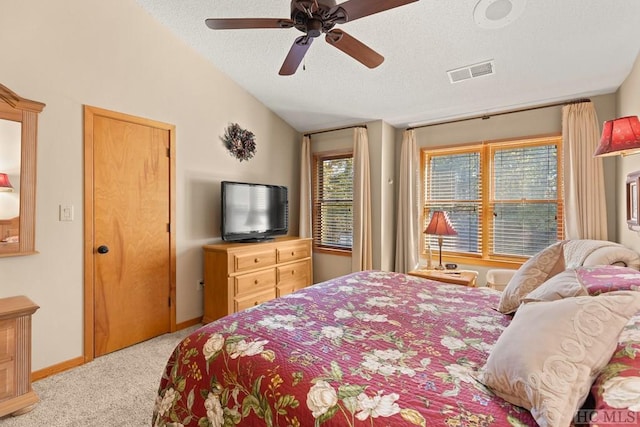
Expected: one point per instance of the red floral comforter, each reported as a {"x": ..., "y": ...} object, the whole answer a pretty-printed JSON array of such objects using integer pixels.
[{"x": 367, "y": 349}]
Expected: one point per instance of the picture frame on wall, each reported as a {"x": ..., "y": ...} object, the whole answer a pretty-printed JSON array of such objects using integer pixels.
[{"x": 633, "y": 196}]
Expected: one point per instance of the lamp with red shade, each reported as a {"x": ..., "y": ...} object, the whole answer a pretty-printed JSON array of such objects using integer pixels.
[
  {"x": 619, "y": 136},
  {"x": 440, "y": 226},
  {"x": 5, "y": 185}
]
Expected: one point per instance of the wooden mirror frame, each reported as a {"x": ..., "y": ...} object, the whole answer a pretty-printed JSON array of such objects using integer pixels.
[
  {"x": 25, "y": 111},
  {"x": 633, "y": 201}
]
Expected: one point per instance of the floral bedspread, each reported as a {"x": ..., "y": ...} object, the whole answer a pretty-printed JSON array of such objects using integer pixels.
[{"x": 367, "y": 349}]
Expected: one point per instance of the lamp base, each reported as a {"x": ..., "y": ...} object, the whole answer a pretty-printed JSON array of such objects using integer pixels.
[{"x": 439, "y": 267}]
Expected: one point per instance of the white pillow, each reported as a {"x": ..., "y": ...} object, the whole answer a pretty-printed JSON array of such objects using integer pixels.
[
  {"x": 542, "y": 266},
  {"x": 562, "y": 285},
  {"x": 551, "y": 352}
]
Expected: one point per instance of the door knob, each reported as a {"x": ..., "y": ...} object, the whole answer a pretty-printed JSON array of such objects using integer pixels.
[{"x": 103, "y": 249}]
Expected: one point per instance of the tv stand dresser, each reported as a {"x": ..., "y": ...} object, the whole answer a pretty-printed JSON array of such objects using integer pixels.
[{"x": 241, "y": 275}]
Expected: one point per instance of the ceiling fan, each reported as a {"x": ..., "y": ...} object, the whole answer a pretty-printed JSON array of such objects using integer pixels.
[{"x": 314, "y": 17}]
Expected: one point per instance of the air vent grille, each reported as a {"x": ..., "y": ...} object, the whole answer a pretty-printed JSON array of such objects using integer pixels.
[{"x": 471, "y": 71}]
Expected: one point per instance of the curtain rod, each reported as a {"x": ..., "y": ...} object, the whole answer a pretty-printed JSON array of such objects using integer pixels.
[
  {"x": 334, "y": 130},
  {"x": 488, "y": 116}
]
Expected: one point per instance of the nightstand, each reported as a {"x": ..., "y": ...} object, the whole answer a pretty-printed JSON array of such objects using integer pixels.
[
  {"x": 456, "y": 277},
  {"x": 16, "y": 394}
]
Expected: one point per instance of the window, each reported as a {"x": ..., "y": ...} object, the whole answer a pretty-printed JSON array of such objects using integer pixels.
[
  {"x": 333, "y": 202},
  {"x": 503, "y": 198}
]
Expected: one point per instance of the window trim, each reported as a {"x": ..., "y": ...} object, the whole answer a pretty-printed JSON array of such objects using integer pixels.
[
  {"x": 318, "y": 157},
  {"x": 486, "y": 150}
]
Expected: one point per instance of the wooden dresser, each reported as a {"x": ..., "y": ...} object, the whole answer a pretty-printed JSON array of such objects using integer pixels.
[
  {"x": 241, "y": 275},
  {"x": 16, "y": 394}
]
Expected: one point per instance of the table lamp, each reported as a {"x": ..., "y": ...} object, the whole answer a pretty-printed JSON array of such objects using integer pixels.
[{"x": 440, "y": 226}]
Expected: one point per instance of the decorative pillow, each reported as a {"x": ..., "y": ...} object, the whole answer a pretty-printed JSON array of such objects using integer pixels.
[
  {"x": 562, "y": 285},
  {"x": 607, "y": 278},
  {"x": 542, "y": 266},
  {"x": 617, "y": 388},
  {"x": 551, "y": 352}
]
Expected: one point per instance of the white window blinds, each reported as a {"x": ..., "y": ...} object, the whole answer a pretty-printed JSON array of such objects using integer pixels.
[
  {"x": 504, "y": 199},
  {"x": 333, "y": 202}
]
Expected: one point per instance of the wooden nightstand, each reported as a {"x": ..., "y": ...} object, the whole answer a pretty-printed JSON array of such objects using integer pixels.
[
  {"x": 457, "y": 277},
  {"x": 16, "y": 394}
]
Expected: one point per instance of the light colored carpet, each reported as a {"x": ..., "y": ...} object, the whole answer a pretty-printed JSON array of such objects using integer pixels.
[{"x": 118, "y": 389}]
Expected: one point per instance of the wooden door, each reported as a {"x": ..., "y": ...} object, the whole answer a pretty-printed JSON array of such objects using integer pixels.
[{"x": 129, "y": 245}]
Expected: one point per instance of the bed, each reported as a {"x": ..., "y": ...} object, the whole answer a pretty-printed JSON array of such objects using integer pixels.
[{"x": 367, "y": 349}]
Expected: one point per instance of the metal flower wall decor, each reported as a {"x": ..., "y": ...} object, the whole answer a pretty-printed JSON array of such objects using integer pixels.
[{"x": 240, "y": 142}]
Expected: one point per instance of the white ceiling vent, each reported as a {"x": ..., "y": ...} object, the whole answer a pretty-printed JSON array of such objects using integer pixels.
[{"x": 471, "y": 71}]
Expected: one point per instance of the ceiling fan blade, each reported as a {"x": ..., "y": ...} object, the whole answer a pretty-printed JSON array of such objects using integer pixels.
[
  {"x": 295, "y": 55},
  {"x": 354, "y": 48},
  {"x": 356, "y": 9},
  {"x": 242, "y": 23}
]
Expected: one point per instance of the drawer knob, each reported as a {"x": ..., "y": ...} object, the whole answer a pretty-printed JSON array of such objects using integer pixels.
[
  {"x": 255, "y": 281},
  {"x": 256, "y": 260},
  {"x": 255, "y": 303},
  {"x": 293, "y": 254},
  {"x": 293, "y": 272}
]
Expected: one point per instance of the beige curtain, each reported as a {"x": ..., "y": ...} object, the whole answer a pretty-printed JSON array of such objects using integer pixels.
[
  {"x": 585, "y": 211},
  {"x": 361, "y": 258},
  {"x": 305, "y": 188},
  {"x": 408, "y": 222}
]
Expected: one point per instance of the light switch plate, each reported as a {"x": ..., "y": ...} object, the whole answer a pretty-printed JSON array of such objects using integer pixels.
[{"x": 66, "y": 212}]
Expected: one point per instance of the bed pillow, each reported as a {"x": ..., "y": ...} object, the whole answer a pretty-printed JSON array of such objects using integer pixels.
[
  {"x": 551, "y": 352},
  {"x": 607, "y": 278},
  {"x": 533, "y": 273},
  {"x": 563, "y": 285}
]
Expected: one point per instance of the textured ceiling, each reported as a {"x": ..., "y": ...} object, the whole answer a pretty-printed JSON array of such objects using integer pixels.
[{"x": 555, "y": 50}]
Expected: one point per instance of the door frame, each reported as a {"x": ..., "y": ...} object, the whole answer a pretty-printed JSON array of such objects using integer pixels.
[{"x": 89, "y": 231}]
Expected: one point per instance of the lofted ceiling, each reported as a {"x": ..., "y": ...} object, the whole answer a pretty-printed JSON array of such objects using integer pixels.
[{"x": 544, "y": 51}]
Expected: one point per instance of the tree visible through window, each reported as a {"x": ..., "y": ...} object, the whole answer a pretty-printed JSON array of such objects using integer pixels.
[
  {"x": 503, "y": 198},
  {"x": 333, "y": 201}
]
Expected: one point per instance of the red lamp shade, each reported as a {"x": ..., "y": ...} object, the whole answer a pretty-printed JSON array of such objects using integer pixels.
[
  {"x": 5, "y": 185},
  {"x": 440, "y": 225},
  {"x": 619, "y": 136}
]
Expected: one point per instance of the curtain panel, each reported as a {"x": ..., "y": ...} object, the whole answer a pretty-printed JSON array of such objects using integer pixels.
[
  {"x": 408, "y": 226},
  {"x": 361, "y": 256},
  {"x": 305, "y": 229},
  {"x": 584, "y": 195}
]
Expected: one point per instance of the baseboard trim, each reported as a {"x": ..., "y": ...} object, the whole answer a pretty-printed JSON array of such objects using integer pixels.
[
  {"x": 188, "y": 323},
  {"x": 79, "y": 361},
  {"x": 56, "y": 369}
]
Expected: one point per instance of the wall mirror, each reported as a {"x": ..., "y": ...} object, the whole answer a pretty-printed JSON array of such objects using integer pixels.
[
  {"x": 633, "y": 201},
  {"x": 18, "y": 142}
]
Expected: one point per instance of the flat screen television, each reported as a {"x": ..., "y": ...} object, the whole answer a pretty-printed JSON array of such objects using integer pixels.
[{"x": 253, "y": 212}]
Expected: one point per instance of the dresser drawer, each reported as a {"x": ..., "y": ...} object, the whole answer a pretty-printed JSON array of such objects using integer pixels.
[
  {"x": 294, "y": 251},
  {"x": 253, "y": 300},
  {"x": 253, "y": 260},
  {"x": 253, "y": 282},
  {"x": 295, "y": 274},
  {"x": 7, "y": 339},
  {"x": 7, "y": 380}
]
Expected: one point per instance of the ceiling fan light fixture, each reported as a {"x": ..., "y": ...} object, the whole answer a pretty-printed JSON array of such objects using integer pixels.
[
  {"x": 494, "y": 14},
  {"x": 314, "y": 18}
]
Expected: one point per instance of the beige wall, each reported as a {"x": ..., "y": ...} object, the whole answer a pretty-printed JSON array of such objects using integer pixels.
[
  {"x": 112, "y": 55},
  {"x": 529, "y": 123},
  {"x": 628, "y": 105}
]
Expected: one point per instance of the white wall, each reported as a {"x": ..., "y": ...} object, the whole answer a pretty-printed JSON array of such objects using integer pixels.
[
  {"x": 628, "y": 105},
  {"x": 112, "y": 55}
]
